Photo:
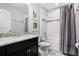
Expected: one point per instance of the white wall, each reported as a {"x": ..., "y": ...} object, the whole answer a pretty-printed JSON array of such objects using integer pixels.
[
  {"x": 34, "y": 7},
  {"x": 53, "y": 15},
  {"x": 18, "y": 18},
  {"x": 53, "y": 28},
  {"x": 77, "y": 21},
  {"x": 43, "y": 24},
  {"x": 53, "y": 33}
]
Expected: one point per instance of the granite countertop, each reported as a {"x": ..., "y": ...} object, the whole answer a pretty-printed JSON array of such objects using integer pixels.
[{"x": 14, "y": 39}]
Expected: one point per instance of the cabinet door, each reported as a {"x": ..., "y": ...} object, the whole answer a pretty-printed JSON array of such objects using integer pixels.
[
  {"x": 24, "y": 52},
  {"x": 20, "y": 53},
  {"x": 2, "y": 51},
  {"x": 34, "y": 50},
  {"x": 23, "y": 48}
]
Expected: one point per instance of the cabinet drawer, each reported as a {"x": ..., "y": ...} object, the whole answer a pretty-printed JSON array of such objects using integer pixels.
[{"x": 34, "y": 50}]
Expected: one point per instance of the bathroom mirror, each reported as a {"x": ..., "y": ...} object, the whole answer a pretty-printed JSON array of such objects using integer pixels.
[{"x": 13, "y": 18}]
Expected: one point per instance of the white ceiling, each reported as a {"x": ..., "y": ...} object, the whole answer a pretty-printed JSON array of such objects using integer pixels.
[
  {"x": 48, "y": 6},
  {"x": 24, "y": 7},
  {"x": 21, "y": 6},
  {"x": 51, "y": 6}
]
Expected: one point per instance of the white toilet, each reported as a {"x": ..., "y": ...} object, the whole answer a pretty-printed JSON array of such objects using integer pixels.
[{"x": 44, "y": 46}]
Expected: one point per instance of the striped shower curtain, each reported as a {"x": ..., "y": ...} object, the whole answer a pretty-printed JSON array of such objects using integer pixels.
[{"x": 68, "y": 30}]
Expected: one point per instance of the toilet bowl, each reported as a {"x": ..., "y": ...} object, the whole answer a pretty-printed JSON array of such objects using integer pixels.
[
  {"x": 44, "y": 44},
  {"x": 43, "y": 47}
]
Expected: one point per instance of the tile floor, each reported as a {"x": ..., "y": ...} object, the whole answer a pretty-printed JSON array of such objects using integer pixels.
[{"x": 51, "y": 52}]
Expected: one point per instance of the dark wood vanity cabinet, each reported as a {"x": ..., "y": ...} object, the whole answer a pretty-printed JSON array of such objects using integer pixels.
[{"x": 24, "y": 48}]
